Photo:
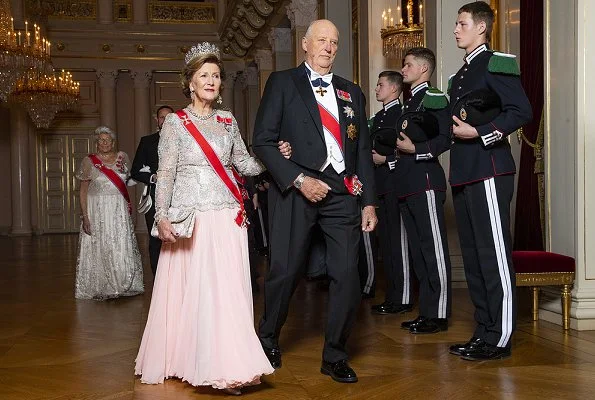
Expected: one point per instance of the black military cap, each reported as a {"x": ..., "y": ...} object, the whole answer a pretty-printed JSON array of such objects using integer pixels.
[
  {"x": 478, "y": 107},
  {"x": 384, "y": 141},
  {"x": 419, "y": 126}
]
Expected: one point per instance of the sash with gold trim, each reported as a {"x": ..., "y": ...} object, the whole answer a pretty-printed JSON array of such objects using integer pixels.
[
  {"x": 241, "y": 219},
  {"x": 113, "y": 177}
]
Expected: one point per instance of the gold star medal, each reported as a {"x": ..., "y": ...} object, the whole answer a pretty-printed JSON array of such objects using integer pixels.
[
  {"x": 351, "y": 131},
  {"x": 463, "y": 114}
]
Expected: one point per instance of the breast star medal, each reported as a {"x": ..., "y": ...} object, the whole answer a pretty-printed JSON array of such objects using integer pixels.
[
  {"x": 351, "y": 131},
  {"x": 349, "y": 113}
]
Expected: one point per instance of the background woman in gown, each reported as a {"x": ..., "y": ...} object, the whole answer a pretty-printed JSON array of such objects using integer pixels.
[
  {"x": 109, "y": 262},
  {"x": 200, "y": 326}
]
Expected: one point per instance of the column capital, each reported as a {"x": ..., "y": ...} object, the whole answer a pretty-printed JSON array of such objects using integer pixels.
[
  {"x": 280, "y": 40},
  {"x": 107, "y": 78},
  {"x": 302, "y": 12},
  {"x": 141, "y": 78},
  {"x": 251, "y": 77},
  {"x": 239, "y": 79},
  {"x": 264, "y": 59}
]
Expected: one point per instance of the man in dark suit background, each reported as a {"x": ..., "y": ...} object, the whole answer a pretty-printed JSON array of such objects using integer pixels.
[
  {"x": 324, "y": 118},
  {"x": 144, "y": 169}
]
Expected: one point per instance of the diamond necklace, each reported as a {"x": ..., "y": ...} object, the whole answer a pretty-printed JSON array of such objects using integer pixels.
[{"x": 201, "y": 117}]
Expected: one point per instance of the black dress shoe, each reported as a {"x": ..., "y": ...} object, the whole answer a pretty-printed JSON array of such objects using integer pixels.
[
  {"x": 429, "y": 325},
  {"x": 408, "y": 324},
  {"x": 390, "y": 308},
  {"x": 459, "y": 348},
  {"x": 274, "y": 356},
  {"x": 340, "y": 371},
  {"x": 486, "y": 352}
]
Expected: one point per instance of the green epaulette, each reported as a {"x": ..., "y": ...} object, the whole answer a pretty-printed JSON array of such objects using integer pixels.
[
  {"x": 370, "y": 122},
  {"x": 450, "y": 83},
  {"x": 503, "y": 63},
  {"x": 435, "y": 99}
]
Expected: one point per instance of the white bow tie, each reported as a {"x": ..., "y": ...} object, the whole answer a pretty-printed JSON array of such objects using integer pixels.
[{"x": 328, "y": 78}]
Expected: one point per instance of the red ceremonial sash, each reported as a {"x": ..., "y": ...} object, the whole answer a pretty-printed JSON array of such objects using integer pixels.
[
  {"x": 241, "y": 181},
  {"x": 112, "y": 176},
  {"x": 241, "y": 219},
  {"x": 331, "y": 124}
]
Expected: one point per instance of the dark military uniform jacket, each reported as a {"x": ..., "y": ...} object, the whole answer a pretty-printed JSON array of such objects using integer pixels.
[
  {"x": 386, "y": 181},
  {"x": 489, "y": 155},
  {"x": 421, "y": 171}
]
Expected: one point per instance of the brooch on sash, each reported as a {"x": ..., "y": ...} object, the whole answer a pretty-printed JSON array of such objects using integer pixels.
[
  {"x": 343, "y": 95},
  {"x": 353, "y": 185},
  {"x": 351, "y": 131},
  {"x": 348, "y": 111}
]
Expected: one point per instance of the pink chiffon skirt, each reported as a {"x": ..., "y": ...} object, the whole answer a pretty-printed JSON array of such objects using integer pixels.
[{"x": 200, "y": 326}]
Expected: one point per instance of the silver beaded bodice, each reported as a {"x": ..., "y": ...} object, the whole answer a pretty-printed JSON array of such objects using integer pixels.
[{"x": 185, "y": 180}]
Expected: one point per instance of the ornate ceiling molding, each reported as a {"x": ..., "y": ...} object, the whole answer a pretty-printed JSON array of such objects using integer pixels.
[{"x": 243, "y": 22}]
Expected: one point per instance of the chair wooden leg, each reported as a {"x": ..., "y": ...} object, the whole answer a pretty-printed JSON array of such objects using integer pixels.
[
  {"x": 566, "y": 307},
  {"x": 535, "y": 303}
]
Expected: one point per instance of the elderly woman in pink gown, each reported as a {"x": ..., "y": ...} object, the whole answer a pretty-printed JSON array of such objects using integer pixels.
[{"x": 200, "y": 326}]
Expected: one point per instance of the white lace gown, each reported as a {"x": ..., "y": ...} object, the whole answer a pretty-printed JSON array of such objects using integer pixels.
[{"x": 109, "y": 263}]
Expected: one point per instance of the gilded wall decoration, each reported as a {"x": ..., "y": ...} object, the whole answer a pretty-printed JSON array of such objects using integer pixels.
[
  {"x": 62, "y": 9},
  {"x": 122, "y": 10},
  {"x": 182, "y": 12}
]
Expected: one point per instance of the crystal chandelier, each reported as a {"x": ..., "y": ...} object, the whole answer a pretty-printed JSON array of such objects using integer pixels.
[
  {"x": 20, "y": 51},
  {"x": 44, "y": 96},
  {"x": 400, "y": 34}
]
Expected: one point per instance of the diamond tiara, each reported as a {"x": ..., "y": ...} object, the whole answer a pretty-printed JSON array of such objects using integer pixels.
[{"x": 201, "y": 49}]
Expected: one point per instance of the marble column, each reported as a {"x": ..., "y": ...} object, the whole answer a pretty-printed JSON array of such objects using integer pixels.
[
  {"x": 140, "y": 12},
  {"x": 264, "y": 60},
  {"x": 19, "y": 157},
  {"x": 300, "y": 14},
  {"x": 107, "y": 97},
  {"x": 252, "y": 100},
  {"x": 228, "y": 93},
  {"x": 142, "y": 104},
  {"x": 339, "y": 11},
  {"x": 239, "y": 101},
  {"x": 282, "y": 49},
  {"x": 569, "y": 126},
  {"x": 105, "y": 12},
  {"x": 142, "y": 117}
]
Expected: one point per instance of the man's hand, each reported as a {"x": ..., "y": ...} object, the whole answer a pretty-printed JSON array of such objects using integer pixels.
[
  {"x": 369, "y": 219},
  {"x": 405, "y": 145},
  {"x": 377, "y": 158},
  {"x": 314, "y": 189},
  {"x": 463, "y": 130}
]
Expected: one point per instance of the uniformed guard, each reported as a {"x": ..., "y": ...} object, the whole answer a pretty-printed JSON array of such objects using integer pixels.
[
  {"x": 391, "y": 232},
  {"x": 482, "y": 178},
  {"x": 424, "y": 130}
]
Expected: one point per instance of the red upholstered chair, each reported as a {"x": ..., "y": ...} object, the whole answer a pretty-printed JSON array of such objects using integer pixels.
[{"x": 542, "y": 268}]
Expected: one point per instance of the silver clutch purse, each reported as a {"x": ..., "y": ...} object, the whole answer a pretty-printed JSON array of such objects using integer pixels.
[
  {"x": 181, "y": 220},
  {"x": 146, "y": 202}
]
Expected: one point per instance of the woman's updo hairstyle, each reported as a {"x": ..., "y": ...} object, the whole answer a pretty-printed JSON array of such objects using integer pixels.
[{"x": 196, "y": 57}]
